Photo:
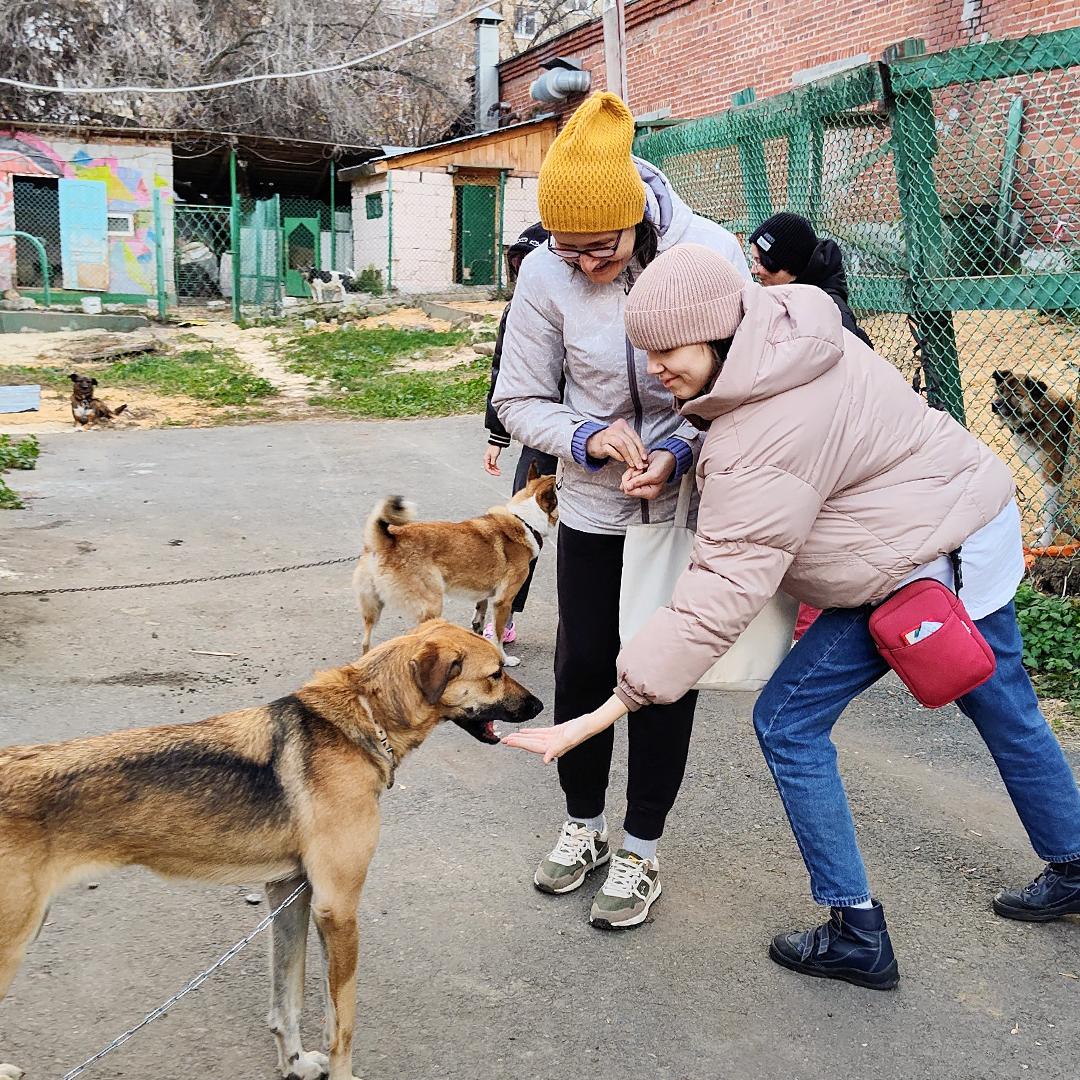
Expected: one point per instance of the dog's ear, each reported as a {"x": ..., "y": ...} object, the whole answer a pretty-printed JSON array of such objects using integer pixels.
[
  {"x": 546, "y": 496},
  {"x": 1036, "y": 388},
  {"x": 534, "y": 472},
  {"x": 1001, "y": 375},
  {"x": 74, "y": 376},
  {"x": 93, "y": 382},
  {"x": 432, "y": 669}
]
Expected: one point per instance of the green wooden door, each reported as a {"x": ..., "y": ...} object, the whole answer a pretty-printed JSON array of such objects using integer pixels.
[
  {"x": 301, "y": 251},
  {"x": 476, "y": 234}
]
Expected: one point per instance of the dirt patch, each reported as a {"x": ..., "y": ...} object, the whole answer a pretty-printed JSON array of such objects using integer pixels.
[
  {"x": 402, "y": 317},
  {"x": 145, "y": 410},
  {"x": 153, "y": 678}
]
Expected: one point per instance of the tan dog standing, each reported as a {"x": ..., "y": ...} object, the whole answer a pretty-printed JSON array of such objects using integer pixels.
[
  {"x": 1040, "y": 421},
  {"x": 286, "y": 792},
  {"x": 414, "y": 565}
]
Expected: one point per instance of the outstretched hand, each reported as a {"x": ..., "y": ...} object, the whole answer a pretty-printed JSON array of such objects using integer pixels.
[{"x": 553, "y": 742}]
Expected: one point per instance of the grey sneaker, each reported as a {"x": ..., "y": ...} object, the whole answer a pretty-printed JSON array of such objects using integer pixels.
[
  {"x": 632, "y": 885},
  {"x": 577, "y": 851}
]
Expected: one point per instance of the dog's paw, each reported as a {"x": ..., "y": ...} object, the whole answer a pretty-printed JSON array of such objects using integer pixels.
[
  {"x": 310, "y": 1065},
  {"x": 512, "y": 661},
  {"x": 11, "y": 1072}
]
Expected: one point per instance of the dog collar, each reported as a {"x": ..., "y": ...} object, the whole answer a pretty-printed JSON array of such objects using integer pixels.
[
  {"x": 388, "y": 750},
  {"x": 537, "y": 536}
]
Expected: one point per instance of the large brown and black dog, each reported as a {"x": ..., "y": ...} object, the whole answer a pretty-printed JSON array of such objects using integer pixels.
[
  {"x": 1040, "y": 422},
  {"x": 414, "y": 565},
  {"x": 284, "y": 793}
]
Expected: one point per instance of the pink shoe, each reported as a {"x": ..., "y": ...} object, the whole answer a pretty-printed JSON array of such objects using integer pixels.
[{"x": 509, "y": 633}]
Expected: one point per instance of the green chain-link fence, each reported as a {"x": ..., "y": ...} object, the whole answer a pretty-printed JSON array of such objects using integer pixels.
[
  {"x": 951, "y": 183},
  {"x": 202, "y": 252}
]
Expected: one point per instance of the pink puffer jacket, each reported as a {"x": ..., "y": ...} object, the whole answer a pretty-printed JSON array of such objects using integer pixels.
[{"x": 822, "y": 473}]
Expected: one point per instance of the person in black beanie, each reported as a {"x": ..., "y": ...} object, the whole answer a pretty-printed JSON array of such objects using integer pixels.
[
  {"x": 785, "y": 249},
  {"x": 498, "y": 436}
]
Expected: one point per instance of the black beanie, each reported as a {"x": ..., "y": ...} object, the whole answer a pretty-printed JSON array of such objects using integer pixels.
[
  {"x": 787, "y": 241},
  {"x": 528, "y": 241}
]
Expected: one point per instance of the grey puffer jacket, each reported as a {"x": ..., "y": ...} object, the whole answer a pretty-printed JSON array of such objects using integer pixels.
[{"x": 562, "y": 326}]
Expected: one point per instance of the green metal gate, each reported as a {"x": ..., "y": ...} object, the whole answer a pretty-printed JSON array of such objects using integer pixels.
[
  {"x": 475, "y": 255},
  {"x": 301, "y": 252}
]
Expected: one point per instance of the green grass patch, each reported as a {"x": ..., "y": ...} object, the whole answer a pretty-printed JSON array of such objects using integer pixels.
[
  {"x": 362, "y": 368},
  {"x": 21, "y": 454},
  {"x": 214, "y": 376},
  {"x": 1051, "y": 629}
]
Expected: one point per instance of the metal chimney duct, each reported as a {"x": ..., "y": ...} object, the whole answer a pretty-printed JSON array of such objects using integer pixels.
[
  {"x": 487, "y": 69},
  {"x": 562, "y": 79}
]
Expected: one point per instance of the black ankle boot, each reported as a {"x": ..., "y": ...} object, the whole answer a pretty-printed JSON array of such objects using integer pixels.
[
  {"x": 1055, "y": 892},
  {"x": 853, "y": 945}
]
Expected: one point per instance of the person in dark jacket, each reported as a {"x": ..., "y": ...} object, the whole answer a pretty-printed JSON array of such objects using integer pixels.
[
  {"x": 784, "y": 249},
  {"x": 498, "y": 436}
]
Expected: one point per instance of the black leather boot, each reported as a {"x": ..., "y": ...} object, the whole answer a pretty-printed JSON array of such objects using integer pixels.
[
  {"x": 853, "y": 945},
  {"x": 1055, "y": 892}
]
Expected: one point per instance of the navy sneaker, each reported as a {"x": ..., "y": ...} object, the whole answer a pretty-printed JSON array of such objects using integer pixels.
[
  {"x": 853, "y": 946},
  {"x": 1055, "y": 892}
]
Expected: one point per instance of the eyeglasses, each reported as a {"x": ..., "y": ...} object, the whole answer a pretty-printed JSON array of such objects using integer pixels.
[{"x": 574, "y": 254}]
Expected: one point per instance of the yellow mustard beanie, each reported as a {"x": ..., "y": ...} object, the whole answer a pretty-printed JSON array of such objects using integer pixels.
[{"x": 588, "y": 183}]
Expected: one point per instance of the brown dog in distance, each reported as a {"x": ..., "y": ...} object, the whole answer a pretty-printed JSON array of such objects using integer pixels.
[
  {"x": 286, "y": 793},
  {"x": 85, "y": 407}
]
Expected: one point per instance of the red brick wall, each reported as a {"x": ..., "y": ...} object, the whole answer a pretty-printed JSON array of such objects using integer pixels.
[{"x": 692, "y": 55}]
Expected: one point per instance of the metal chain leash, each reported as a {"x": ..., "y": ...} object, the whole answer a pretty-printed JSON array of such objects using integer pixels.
[
  {"x": 182, "y": 581},
  {"x": 195, "y": 983}
]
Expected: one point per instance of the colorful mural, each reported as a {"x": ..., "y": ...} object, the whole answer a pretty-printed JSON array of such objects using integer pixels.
[{"x": 131, "y": 172}]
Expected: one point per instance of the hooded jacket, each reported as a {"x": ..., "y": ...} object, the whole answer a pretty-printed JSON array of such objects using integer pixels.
[
  {"x": 561, "y": 326},
  {"x": 825, "y": 270},
  {"x": 822, "y": 474}
]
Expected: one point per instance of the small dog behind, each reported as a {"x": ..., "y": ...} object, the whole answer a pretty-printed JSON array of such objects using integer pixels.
[
  {"x": 1040, "y": 421},
  {"x": 85, "y": 407},
  {"x": 415, "y": 565},
  {"x": 322, "y": 281}
]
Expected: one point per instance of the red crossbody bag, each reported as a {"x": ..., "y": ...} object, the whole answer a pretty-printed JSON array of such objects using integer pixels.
[{"x": 924, "y": 633}]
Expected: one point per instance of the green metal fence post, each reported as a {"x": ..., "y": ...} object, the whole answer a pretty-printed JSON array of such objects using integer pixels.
[
  {"x": 389, "y": 230},
  {"x": 159, "y": 256},
  {"x": 806, "y": 144},
  {"x": 333, "y": 216},
  {"x": 234, "y": 236},
  {"x": 755, "y": 178},
  {"x": 914, "y": 141},
  {"x": 502, "y": 222},
  {"x": 279, "y": 284}
]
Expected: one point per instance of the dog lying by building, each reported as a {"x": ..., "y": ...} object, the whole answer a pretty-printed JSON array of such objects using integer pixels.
[
  {"x": 87, "y": 409},
  {"x": 287, "y": 793}
]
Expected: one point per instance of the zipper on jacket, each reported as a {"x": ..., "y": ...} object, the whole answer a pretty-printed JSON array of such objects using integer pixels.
[{"x": 635, "y": 397}]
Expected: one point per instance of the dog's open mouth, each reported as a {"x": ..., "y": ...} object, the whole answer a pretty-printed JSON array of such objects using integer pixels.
[{"x": 484, "y": 730}]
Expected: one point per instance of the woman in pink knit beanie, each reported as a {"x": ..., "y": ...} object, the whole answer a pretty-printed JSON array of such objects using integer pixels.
[{"x": 824, "y": 474}]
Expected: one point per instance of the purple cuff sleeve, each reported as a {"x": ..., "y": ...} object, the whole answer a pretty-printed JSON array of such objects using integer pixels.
[
  {"x": 577, "y": 445},
  {"x": 684, "y": 456}
]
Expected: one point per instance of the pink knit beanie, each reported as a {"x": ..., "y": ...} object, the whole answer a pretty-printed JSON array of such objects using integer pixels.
[{"x": 687, "y": 295}]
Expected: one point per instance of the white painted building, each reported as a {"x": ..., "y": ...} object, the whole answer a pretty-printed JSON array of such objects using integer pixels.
[{"x": 442, "y": 216}]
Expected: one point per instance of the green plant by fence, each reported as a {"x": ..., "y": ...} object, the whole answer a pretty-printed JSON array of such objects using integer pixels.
[{"x": 952, "y": 184}]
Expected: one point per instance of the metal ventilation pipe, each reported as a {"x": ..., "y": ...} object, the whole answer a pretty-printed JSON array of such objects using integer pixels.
[{"x": 559, "y": 83}]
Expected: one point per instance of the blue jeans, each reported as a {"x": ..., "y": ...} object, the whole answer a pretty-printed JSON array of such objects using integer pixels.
[{"x": 835, "y": 661}]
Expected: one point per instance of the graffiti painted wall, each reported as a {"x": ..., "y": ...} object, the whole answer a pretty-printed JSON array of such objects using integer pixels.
[{"x": 130, "y": 170}]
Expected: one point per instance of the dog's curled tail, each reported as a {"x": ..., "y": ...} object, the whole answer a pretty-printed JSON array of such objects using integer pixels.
[
  {"x": 393, "y": 510},
  {"x": 122, "y": 408}
]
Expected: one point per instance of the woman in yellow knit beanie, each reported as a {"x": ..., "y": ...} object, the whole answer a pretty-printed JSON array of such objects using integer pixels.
[{"x": 571, "y": 384}]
